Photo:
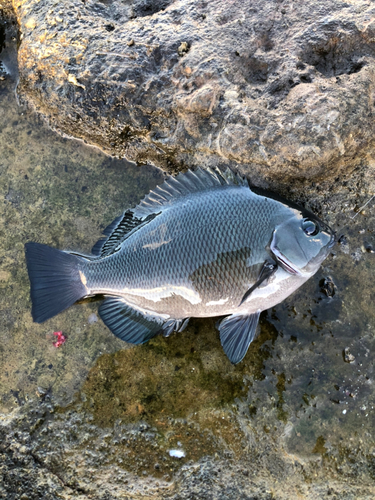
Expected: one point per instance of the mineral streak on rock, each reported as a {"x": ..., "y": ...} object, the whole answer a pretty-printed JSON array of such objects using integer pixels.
[{"x": 284, "y": 87}]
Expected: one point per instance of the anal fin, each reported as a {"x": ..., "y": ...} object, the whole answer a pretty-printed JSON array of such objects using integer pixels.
[
  {"x": 236, "y": 334},
  {"x": 135, "y": 326}
]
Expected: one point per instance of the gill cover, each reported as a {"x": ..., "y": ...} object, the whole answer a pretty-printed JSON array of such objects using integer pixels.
[{"x": 300, "y": 244}]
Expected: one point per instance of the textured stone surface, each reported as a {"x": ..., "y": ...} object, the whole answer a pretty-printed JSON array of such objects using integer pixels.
[
  {"x": 44, "y": 455},
  {"x": 92, "y": 420},
  {"x": 6, "y": 9},
  {"x": 8, "y": 37},
  {"x": 284, "y": 89}
]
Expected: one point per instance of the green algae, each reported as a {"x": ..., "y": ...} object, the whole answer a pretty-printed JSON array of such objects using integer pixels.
[
  {"x": 177, "y": 376},
  {"x": 280, "y": 386},
  {"x": 319, "y": 446},
  {"x": 183, "y": 387}
]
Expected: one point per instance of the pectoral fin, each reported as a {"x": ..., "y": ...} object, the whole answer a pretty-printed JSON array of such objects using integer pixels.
[
  {"x": 268, "y": 269},
  {"x": 236, "y": 334}
]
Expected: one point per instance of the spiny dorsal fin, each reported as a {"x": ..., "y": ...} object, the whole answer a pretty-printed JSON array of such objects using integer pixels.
[
  {"x": 188, "y": 182},
  {"x": 160, "y": 198}
]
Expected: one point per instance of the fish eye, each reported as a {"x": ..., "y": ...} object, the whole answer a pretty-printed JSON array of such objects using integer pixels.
[{"x": 310, "y": 227}]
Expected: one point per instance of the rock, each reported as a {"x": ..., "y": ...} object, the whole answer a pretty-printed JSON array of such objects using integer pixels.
[
  {"x": 8, "y": 34},
  {"x": 284, "y": 91},
  {"x": 6, "y": 9}
]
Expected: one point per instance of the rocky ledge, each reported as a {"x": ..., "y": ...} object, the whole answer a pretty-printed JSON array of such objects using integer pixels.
[{"x": 278, "y": 88}]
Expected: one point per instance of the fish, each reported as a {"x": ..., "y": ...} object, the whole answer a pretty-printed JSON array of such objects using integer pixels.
[{"x": 202, "y": 244}]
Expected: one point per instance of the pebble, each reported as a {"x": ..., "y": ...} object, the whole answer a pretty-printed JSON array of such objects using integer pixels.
[
  {"x": 176, "y": 453},
  {"x": 327, "y": 286},
  {"x": 93, "y": 318},
  {"x": 348, "y": 356}
]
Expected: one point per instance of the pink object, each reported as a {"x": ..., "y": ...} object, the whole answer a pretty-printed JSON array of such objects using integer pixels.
[{"x": 61, "y": 339}]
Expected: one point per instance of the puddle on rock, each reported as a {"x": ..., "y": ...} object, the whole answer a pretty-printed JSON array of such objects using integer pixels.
[
  {"x": 173, "y": 377},
  {"x": 182, "y": 388}
]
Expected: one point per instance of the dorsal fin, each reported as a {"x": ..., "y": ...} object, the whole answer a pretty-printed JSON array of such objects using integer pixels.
[
  {"x": 158, "y": 199},
  {"x": 118, "y": 231},
  {"x": 187, "y": 182}
]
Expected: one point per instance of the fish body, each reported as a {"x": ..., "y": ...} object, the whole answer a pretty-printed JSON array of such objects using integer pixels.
[
  {"x": 197, "y": 258},
  {"x": 202, "y": 244}
]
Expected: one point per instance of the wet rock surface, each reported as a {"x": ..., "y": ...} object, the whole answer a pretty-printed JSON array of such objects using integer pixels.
[
  {"x": 280, "y": 90},
  {"x": 94, "y": 419}
]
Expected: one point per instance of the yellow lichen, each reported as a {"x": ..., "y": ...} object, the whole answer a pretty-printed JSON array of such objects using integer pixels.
[
  {"x": 30, "y": 23},
  {"x": 72, "y": 79}
]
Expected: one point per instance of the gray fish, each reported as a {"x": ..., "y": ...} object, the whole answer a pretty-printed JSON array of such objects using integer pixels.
[{"x": 202, "y": 244}]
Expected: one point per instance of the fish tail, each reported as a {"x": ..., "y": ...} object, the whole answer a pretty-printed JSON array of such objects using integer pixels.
[{"x": 55, "y": 280}]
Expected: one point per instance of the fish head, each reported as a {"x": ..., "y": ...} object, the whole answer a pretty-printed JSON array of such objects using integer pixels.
[{"x": 301, "y": 243}]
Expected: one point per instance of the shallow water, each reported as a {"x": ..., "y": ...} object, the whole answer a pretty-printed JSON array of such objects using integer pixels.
[{"x": 299, "y": 410}]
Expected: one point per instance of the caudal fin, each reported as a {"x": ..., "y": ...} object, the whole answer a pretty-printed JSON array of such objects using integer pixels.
[{"x": 55, "y": 280}]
